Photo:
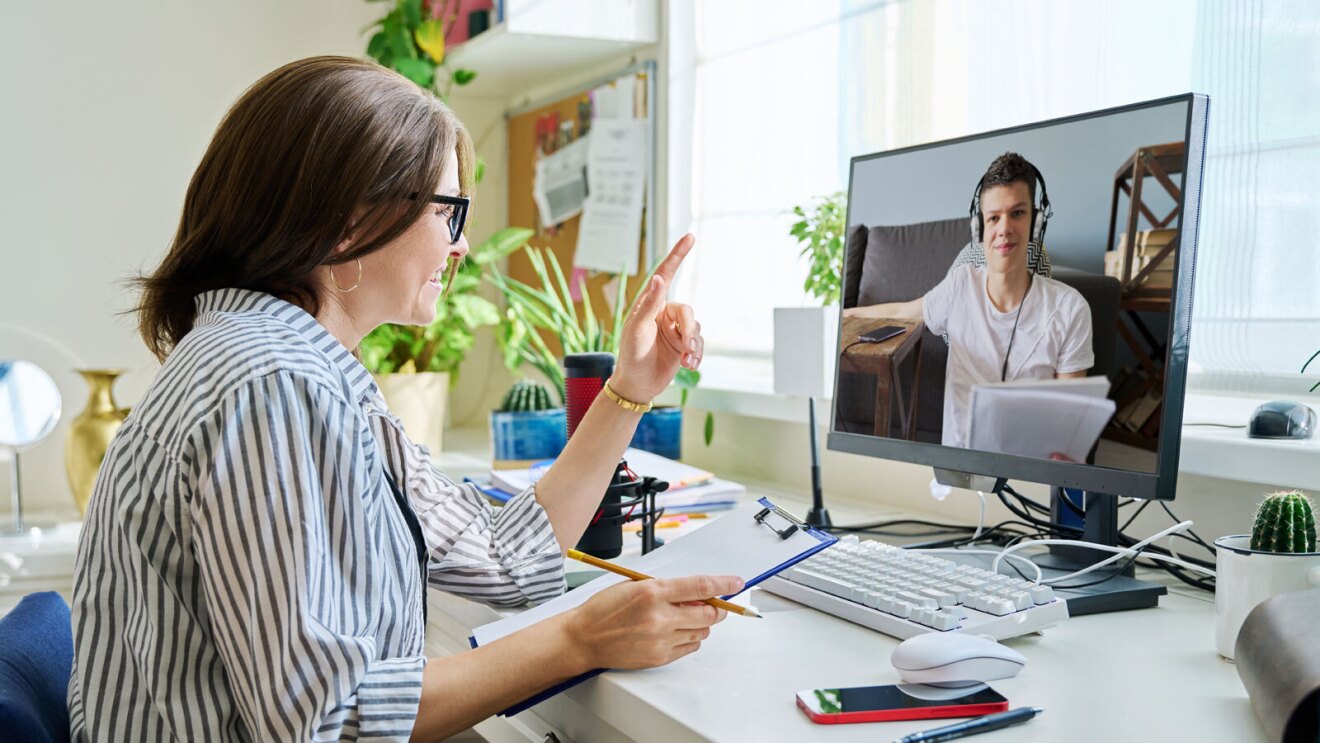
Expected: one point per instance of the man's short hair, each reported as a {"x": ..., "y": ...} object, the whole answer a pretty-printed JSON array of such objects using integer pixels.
[{"x": 1010, "y": 167}]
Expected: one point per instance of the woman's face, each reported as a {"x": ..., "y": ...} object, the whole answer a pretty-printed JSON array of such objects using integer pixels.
[{"x": 402, "y": 281}]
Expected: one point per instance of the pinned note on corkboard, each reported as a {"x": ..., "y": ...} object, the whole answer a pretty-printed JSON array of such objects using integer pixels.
[{"x": 582, "y": 173}]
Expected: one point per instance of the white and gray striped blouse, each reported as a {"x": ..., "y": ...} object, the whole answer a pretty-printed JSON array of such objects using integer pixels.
[{"x": 245, "y": 572}]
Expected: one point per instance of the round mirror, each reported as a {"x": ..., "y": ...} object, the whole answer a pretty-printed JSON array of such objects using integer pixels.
[{"x": 29, "y": 404}]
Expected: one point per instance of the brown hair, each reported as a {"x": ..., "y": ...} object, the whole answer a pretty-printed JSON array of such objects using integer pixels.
[
  {"x": 1011, "y": 167},
  {"x": 303, "y": 151}
]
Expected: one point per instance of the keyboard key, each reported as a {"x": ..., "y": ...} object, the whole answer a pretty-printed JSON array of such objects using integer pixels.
[
  {"x": 1041, "y": 594},
  {"x": 943, "y": 621},
  {"x": 918, "y": 600},
  {"x": 942, "y": 598}
]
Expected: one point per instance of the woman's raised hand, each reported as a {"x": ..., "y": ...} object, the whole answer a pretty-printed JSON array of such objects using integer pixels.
[
  {"x": 659, "y": 336},
  {"x": 640, "y": 624}
]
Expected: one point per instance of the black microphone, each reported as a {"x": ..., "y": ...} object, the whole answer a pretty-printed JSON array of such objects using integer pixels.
[{"x": 584, "y": 378}]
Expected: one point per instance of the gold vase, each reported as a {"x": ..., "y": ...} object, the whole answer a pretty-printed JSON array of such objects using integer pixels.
[{"x": 90, "y": 433}]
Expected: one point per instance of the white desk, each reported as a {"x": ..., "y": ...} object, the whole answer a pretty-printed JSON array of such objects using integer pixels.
[
  {"x": 1151, "y": 674},
  {"x": 40, "y": 559}
]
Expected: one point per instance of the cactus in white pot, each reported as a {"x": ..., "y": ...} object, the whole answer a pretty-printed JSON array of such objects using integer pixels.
[{"x": 1285, "y": 522}]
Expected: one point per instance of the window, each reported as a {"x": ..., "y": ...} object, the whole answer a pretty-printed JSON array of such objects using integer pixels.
[{"x": 769, "y": 100}]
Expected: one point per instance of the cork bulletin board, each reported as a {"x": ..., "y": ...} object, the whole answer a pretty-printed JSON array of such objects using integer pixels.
[{"x": 541, "y": 129}]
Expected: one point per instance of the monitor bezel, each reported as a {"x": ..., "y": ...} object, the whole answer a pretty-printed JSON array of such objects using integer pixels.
[{"x": 1159, "y": 485}]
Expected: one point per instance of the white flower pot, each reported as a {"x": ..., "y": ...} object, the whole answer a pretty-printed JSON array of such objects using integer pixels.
[
  {"x": 1245, "y": 577},
  {"x": 419, "y": 400},
  {"x": 805, "y": 353}
]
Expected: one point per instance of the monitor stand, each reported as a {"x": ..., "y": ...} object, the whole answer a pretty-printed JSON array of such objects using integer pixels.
[{"x": 1119, "y": 593}]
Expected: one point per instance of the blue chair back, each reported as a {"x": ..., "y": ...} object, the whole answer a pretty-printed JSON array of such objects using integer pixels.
[{"x": 36, "y": 658}]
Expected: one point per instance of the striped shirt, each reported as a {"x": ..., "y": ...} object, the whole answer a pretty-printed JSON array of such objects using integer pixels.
[{"x": 245, "y": 572}]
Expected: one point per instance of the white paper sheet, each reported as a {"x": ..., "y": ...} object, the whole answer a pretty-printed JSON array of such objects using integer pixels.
[
  {"x": 560, "y": 186},
  {"x": 614, "y": 100},
  {"x": 1040, "y": 418},
  {"x": 611, "y": 228}
]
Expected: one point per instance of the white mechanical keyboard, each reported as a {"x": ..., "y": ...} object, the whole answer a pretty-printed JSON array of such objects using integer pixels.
[{"x": 904, "y": 593}]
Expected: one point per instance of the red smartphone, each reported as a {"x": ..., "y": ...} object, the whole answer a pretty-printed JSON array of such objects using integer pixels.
[{"x": 898, "y": 702}]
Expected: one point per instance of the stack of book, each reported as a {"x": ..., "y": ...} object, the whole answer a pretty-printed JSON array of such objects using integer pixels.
[
  {"x": 1149, "y": 243},
  {"x": 690, "y": 488},
  {"x": 1138, "y": 413}
]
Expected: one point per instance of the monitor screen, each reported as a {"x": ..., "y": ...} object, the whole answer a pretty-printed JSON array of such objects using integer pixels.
[{"x": 1016, "y": 303}]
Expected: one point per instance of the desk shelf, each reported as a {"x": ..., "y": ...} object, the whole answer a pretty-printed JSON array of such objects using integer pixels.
[{"x": 546, "y": 41}]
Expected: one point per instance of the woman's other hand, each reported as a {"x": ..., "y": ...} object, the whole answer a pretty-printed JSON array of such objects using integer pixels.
[
  {"x": 659, "y": 336},
  {"x": 640, "y": 624}
]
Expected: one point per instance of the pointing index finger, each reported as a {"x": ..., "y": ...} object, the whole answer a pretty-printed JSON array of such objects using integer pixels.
[{"x": 669, "y": 266}]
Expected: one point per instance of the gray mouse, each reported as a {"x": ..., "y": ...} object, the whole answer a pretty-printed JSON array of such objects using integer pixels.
[{"x": 1282, "y": 419}]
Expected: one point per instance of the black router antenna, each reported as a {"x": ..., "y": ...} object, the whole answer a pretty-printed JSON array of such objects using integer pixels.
[{"x": 817, "y": 516}]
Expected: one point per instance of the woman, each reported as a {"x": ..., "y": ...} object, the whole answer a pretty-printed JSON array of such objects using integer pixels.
[{"x": 253, "y": 560}]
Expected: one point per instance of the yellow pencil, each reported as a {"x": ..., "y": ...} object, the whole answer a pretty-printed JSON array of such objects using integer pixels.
[{"x": 745, "y": 611}]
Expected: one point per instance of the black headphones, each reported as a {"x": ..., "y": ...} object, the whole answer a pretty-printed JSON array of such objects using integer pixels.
[{"x": 1040, "y": 215}]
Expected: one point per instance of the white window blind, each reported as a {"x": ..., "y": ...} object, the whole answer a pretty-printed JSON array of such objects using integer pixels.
[{"x": 773, "y": 98}]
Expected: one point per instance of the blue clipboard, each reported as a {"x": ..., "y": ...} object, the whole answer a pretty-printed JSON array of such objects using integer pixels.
[
  {"x": 754, "y": 541},
  {"x": 489, "y": 490}
]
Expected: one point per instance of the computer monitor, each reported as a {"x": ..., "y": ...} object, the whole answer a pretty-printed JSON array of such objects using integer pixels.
[{"x": 1039, "y": 280}]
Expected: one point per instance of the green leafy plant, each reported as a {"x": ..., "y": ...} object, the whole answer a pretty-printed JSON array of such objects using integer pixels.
[
  {"x": 410, "y": 38},
  {"x": 820, "y": 230},
  {"x": 1285, "y": 522},
  {"x": 442, "y": 345},
  {"x": 1308, "y": 363},
  {"x": 550, "y": 307},
  {"x": 526, "y": 396}
]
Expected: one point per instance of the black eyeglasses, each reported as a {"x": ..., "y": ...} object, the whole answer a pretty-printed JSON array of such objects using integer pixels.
[{"x": 461, "y": 206}]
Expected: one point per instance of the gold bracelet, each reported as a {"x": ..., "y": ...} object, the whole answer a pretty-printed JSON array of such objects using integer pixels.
[{"x": 626, "y": 404}]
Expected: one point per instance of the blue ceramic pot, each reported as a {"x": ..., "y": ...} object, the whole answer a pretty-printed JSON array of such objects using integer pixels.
[
  {"x": 661, "y": 432},
  {"x": 528, "y": 435}
]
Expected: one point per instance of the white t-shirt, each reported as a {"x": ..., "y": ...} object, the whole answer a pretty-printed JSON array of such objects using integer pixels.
[{"x": 1053, "y": 337}]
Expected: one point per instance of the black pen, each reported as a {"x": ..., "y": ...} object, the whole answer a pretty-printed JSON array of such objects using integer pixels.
[{"x": 972, "y": 727}]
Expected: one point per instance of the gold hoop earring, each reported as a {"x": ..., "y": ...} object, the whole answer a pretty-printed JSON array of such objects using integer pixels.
[{"x": 335, "y": 281}]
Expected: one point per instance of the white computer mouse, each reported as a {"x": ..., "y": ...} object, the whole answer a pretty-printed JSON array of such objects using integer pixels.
[{"x": 954, "y": 659}]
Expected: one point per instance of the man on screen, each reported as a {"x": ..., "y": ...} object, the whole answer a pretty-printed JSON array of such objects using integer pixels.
[{"x": 1003, "y": 322}]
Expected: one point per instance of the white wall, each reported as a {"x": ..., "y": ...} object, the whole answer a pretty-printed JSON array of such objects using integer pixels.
[{"x": 105, "y": 110}]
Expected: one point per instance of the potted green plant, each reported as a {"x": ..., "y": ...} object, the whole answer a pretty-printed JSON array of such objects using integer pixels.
[
  {"x": 804, "y": 354},
  {"x": 1308, "y": 363},
  {"x": 528, "y": 426},
  {"x": 410, "y": 39},
  {"x": 550, "y": 307},
  {"x": 1278, "y": 556},
  {"x": 415, "y": 366}
]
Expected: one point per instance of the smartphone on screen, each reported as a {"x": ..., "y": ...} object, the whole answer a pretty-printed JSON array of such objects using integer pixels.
[
  {"x": 898, "y": 702},
  {"x": 882, "y": 334}
]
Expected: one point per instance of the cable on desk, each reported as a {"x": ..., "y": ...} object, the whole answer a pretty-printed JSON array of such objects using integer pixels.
[
  {"x": 1133, "y": 517},
  {"x": 1117, "y": 572},
  {"x": 1195, "y": 537},
  {"x": 850, "y": 345},
  {"x": 899, "y": 522},
  {"x": 1020, "y": 512},
  {"x": 995, "y": 535}
]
